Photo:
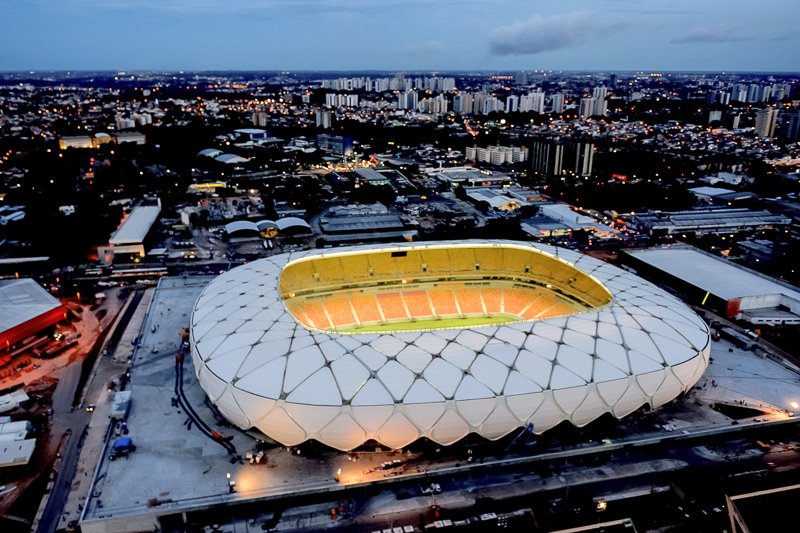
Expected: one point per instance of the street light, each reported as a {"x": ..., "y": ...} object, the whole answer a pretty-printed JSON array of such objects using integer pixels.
[{"x": 231, "y": 483}]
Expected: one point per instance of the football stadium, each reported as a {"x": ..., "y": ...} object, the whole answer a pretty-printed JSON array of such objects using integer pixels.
[{"x": 393, "y": 343}]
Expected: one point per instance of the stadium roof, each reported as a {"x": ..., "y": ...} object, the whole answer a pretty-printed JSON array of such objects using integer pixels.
[
  {"x": 717, "y": 276},
  {"x": 135, "y": 228},
  {"x": 22, "y": 300},
  {"x": 263, "y": 368}
]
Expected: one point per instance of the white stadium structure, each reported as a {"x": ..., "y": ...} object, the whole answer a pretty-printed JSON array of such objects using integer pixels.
[{"x": 392, "y": 343}]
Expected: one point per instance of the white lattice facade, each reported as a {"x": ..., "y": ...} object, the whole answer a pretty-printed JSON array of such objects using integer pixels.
[{"x": 295, "y": 379}]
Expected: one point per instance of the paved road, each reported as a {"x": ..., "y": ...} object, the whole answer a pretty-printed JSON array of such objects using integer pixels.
[
  {"x": 64, "y": 420},
  {"x": 76, "y": 421}
]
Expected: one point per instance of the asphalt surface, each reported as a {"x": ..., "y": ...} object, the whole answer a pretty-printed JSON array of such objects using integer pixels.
[
  {"x": 65, "y": 420},
  {"x": 74, "y": 422}
]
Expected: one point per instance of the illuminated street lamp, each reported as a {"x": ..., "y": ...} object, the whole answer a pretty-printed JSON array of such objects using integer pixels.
[
  {"x": 231, "y": 483},
  {"x": 794, "y": 405}
]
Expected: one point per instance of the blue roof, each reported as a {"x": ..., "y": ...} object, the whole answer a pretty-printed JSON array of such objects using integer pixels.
[{"x": 123, "y": 442}]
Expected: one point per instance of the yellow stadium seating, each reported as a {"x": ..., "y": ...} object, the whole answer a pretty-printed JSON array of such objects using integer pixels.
[
  {"x": 492, "y": 300},
  {"x": 444, "y": 304},
  {"x": 392, "y": 306},
  {"x": 366, "y": 308},
  {"x": 469, "y": 301},
  {"x": 340, "y": 312},
  {"x": 345, "y": 290},
  {"x": 417, "y": 303}
]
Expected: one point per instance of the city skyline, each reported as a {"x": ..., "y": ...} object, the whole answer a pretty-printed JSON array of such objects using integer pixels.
[
  {"x": 336, "y": 35},
  {"x": 297, "y": 299}
]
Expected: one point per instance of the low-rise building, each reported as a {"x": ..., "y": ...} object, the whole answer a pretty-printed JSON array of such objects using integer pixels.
[
  {"x": 129, "y": 240},
  {"x": 732, "y": 290}
]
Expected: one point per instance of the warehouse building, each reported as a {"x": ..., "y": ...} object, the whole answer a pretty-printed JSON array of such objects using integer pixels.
[
  {"x": 704, "y": 221},
  {"x": 130, "y": 239},
  {"x": 25, "y": 310},
  {"x": 731, "y": 290}
]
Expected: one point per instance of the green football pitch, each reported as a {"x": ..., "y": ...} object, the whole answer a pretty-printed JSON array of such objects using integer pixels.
[{"x": 432, "y": 324}]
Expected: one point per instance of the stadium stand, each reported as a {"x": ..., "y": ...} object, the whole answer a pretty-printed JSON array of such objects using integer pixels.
[
  {"x": 418, "y": 304},
  {"x": 444, "y": 304},
  {"x": 469, "y": 301},
  {"x": 367, "y": 311},
  {"x": 392, "y": 306},
  {"x": 341, "y": 291},
  {"x": 340, "y": 312}
]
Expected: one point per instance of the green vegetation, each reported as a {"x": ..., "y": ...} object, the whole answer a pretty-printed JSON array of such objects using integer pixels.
[{"x": 431, "y": 324}]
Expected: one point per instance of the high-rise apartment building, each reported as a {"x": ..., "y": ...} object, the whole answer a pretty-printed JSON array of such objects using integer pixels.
[
  {"x": 586, "y": 107},
  {"x": 323, "y": 119},
  {"x": 462, "y": 103},
  {"x": 407, "y": 100},
  {"x": 557, "y": 103},
  {"x": 492, "y": 104},
  {"x": 739, "y": 92},
  {"x": 532, "y": 102},
  {"x": 551, "y": 156},
  {"x": 766, "y": 120},
  {"x": 789, "y": 127},
  {"x": 512, "y": 104}
]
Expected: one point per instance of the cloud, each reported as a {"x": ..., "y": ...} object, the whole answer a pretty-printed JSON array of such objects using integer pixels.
[
  {"x": 544, "y": 34},
  {"x": 717, "y": 34}
]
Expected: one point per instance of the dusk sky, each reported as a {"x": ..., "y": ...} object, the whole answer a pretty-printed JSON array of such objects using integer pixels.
[{"x": 399, "y": 35}]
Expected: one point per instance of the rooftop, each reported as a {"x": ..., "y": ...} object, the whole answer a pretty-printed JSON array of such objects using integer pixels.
[
  {"x": 719, "y": 277},
  {"x": 22, "y": 300},
  {"x": 371, "y": 175},
  {"x": 717, "y": 218},
  {"x": 710, "y": 191},
  {"x": 134, "y": 229}
]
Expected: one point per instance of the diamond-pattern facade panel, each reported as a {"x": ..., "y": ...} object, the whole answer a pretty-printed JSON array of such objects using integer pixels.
[{"x": 294, "y": 376}]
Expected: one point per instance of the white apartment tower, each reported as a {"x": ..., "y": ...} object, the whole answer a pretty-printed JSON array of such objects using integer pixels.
[
  {"x": 557, "y": 103},
  {"x": 532, "y": 102},
  {"x": 766, "y": 120}
]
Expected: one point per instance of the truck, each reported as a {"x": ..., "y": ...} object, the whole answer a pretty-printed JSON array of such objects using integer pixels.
[
  {"x": 123, "y": 446},
  {"x": 121, "y": 405}
]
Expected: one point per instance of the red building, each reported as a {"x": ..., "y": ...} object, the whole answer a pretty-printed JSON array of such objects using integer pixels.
[{"x": 25, "y": 310}]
